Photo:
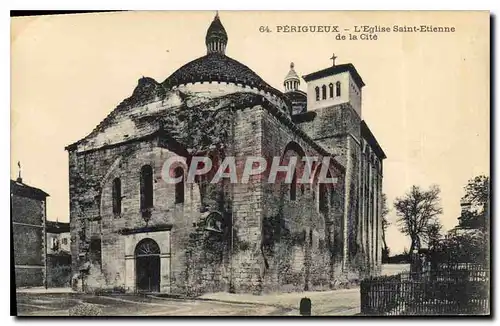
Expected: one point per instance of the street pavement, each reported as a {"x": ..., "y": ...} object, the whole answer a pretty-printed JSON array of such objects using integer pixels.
[{"x": 340, "y": 302}]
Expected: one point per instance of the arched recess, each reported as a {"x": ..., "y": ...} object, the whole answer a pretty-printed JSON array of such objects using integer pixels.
[
  {"x": 293, "y": 149},
  {"x": 146, "y": 187},
  {"x": 325, "y": 188},
  {"x": 328, "y": 204},
  {"x": 212, "y": 195},
  {"x": 179, "y": 186}
]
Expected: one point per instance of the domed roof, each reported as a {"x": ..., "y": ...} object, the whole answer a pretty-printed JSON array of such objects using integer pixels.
[
  {"x": 217, "y": 67},
  {"x": 291, "y": 74}
]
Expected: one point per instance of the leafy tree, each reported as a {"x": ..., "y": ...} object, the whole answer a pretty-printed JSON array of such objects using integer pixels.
[
  {"x": 469, "y": 241},
  {"x": 417, "y": 211},
  {"x": 477, "y": 194},
  {"x": 463, "y": 246},
  {"x": 434, "y": 234}
]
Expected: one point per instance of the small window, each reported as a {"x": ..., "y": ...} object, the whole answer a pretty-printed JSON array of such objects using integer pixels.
[
  {"x": 317, "y": 93},
  {"x": 117, "y": 196},
  {"x": 293, "y": 187},
  {"x": 323, "y": 198},
  {"x": 65, "y": 241},
  {"x": 213, "y": 222},
  {"x": 337, "y": 89},
  {"x": 179, "y": 187},
  {"x": 332, "y": 197},
  {"x": 95, "y": 252},
  {"x": 323, "y": 90},
  {"x": 146, "y": 187},
  {"x": 331, "y": 90},
  {"x": 55, "y": 244}
]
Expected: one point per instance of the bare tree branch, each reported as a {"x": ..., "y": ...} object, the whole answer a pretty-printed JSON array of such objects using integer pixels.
[{"x": 417, "y": 213}]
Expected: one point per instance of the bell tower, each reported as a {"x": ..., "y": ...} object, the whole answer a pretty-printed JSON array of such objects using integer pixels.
[{"x": 335, "y": 85}]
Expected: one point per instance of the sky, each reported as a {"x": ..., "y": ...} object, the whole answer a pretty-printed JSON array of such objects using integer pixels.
[{"x": 426, "y": 97}]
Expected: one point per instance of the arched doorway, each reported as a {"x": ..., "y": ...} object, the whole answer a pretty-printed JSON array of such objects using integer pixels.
[{"x": 147, "y": 266}]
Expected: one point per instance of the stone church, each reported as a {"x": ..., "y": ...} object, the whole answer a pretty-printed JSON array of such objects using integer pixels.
[{"x": 133, "y": 231}]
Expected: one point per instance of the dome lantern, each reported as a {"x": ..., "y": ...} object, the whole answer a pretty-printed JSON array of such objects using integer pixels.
[
  {"x": 292, "y": 80},
  {"x": 216, "y": 39}
]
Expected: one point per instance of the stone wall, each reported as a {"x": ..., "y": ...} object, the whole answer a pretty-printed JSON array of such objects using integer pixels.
[
  {"x": 337, "y": 128},
  {"x": 29, "y": 277},
  {"x": 28, "y": 210},
  {"x": 200, "y": 261},
  {"x": 247, "y": 261},
  {"x": 301, "y": 245},
  {"x": 93, "y": 173},
  {"x": 268, "y": 240},
  {"x": 28, "y": 218}
]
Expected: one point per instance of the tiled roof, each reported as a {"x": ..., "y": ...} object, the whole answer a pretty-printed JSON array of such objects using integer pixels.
[
  {"x": 21, "y": 189},
  {"x": 147, "y": 91},
  {"x": 336, "y": 70},
  {"x": 217, "y": 67},
  {"x": 296, "y": 96},
  {"x": 56, "y": 227}
]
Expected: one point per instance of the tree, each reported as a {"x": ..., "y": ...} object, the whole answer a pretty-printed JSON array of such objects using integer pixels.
[
  {"x": 417, "y": 211},
  {"x": 434, "y": 234},
  {"x": 463, "y": 246},
  {"x": 385, "y": 225},
  {"x": 477, "y": 195}
]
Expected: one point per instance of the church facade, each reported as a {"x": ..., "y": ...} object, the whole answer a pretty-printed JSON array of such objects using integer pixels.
[{"x": 132, "y": 230}]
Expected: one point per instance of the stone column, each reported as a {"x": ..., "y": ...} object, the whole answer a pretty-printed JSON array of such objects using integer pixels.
[
  {"x": 380, "y": 212},
  {"x": 347, "y": 203},
  {"x": 374, "y": 214},
  {"x": 130, "y": 273},
  {"x": 376, "y": 217},
  {"x": 361, "y": 210},
  {"x": 370, "y": 211},
  {"x": 165, "y": 273},
  {"x": 366, "y": 210}
]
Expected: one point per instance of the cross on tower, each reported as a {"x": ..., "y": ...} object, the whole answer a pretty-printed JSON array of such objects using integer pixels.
[{"x": 333, "y": 59}]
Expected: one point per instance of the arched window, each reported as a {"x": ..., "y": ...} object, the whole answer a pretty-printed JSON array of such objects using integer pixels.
[
  {"x": 293, "y": 149},
  {"x": 323, "y": 198},
  {"x": 317, "y": 93},
  {"x": 147, "y": 247},
  {"x": 337, "y": 84},
  {"x": 95, "y": 248},
  {"x": 331, "y": 90},
  {"x": 117, "y": 196},
  {"x": 179, "y": 186},
  {"x": 146, "y": 187},
  {"x": 323, "y": 90},
  {"x": 293, "y": 187},
  {"x": 332, "y": 198},
  {"x": 213, "y": 222}
]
